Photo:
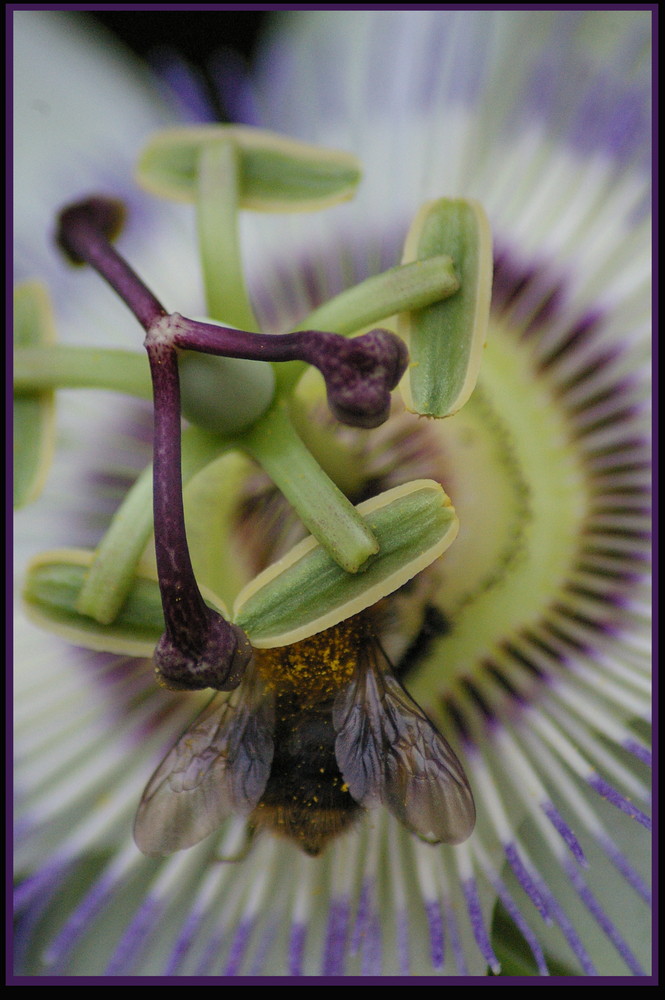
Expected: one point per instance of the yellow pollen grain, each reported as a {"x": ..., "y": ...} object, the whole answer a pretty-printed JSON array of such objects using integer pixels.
[{"x": 314, "y": 669}]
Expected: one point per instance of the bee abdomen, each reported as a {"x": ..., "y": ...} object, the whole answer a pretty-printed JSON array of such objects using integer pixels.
[{"x": 306, "y": 798}]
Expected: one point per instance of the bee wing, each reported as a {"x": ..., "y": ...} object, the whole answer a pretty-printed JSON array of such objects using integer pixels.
[
  {"x": 389, "y": 752},
  {"x": 219, "y": 767}
]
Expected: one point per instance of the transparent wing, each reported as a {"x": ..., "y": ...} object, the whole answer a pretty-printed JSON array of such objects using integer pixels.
[
  {"x": 390, "y": 753},
  {"x": 219, "y": 767}
]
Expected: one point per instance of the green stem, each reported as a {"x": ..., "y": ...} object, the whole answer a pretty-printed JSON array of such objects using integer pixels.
[
  {"x": 217, "y": 204},
  {"x": 60, "y": 366},
  {"x": 323, "y": 509},
  {"x": 400, "y": 289},
  {"x": 111, "y": 575},
  {"x": 330, "y": 450},
  {"x": 405, "y": 287}
]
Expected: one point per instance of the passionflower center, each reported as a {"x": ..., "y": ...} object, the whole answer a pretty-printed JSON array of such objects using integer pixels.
[{"x": 199, "y": 648}]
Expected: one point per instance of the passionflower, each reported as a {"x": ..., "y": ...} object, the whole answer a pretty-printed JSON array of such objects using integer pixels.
[{"x": 527, "y": 639}]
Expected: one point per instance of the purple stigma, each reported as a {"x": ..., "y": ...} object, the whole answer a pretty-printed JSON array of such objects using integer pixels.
[
  {"x": 359, "y": 373},
  {"x": 85, "y": 233}
]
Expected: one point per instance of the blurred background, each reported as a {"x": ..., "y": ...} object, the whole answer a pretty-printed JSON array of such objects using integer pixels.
[
  {"x": 195, "y": 35},
  {"x": 214, "y": 45}
]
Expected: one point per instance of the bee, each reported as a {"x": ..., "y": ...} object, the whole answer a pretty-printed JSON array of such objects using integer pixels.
[{"x": 317, "y": 732}]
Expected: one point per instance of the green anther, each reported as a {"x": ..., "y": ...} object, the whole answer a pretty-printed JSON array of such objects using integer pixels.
[
  {"x": 306, "y": 591},
  {"x": 446, "y": 339},
  {"x": 34, "y": 405},
  {"x": 53, "y": 583},
  {"x": 277, "y": 174}
]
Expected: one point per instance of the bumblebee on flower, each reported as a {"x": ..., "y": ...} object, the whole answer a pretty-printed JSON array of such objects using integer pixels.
[
  {"x": 232, "y": 761},
  {"x": 519, "y": 596}
]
